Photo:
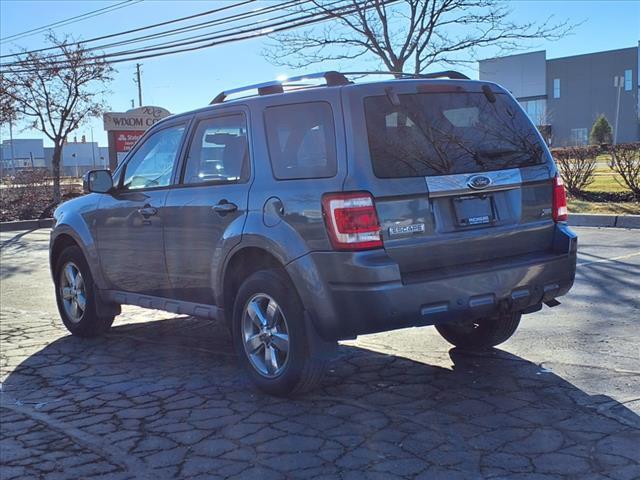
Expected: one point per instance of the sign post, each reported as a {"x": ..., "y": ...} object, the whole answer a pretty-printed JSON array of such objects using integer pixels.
[{"x": 124, "y": 129}]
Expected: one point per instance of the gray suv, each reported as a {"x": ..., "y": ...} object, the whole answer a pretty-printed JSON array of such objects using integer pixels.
[{"x": 318, "y": 209}]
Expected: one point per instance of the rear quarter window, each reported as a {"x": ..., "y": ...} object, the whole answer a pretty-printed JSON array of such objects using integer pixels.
[{"x": 302, "y": 140}]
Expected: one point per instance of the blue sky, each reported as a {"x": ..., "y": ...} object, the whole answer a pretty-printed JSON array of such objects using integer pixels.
[{"x": 190, "y": 80}]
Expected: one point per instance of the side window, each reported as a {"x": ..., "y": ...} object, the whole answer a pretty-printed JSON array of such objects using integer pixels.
[
  {"x": 219, "y": 151},
  {"x": 302, "y": 140},
  {"x": 152, "y": 164}
]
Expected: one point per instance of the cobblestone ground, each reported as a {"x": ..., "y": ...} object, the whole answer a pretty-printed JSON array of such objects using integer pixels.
[{"x": 161, "y": 396}]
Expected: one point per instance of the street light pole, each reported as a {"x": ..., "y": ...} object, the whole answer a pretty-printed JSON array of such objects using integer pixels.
[
  {"x": 93, "y": 149},
  {"x": 13, "y": 153},
  {"x": 617, "y": 82}
]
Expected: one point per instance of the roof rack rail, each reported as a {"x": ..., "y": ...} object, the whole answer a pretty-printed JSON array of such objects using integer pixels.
[
  {"x": 452, "y": 74},
  {"x": 332, "y": 78}
]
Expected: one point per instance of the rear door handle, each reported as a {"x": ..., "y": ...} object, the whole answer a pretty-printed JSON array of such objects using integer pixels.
[
  {"x": 224, "y": 207},
  {"x": 147, "y": 211}
]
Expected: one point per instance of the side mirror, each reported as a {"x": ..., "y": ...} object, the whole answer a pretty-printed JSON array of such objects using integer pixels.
[{"x": 98, "y": 181}]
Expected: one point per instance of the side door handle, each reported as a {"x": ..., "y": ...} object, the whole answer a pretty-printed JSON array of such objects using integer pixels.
[
  {"x": 148, "y": 211},
  {"x": 223, "y": 207}
]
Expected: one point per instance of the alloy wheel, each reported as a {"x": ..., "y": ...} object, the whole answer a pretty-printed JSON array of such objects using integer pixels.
[
  {"x": 265, "y": 335},
  {"x": 72, "y": 292}
]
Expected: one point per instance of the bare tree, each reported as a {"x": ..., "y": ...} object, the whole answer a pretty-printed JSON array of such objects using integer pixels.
[
  {"x": 7, "y": 104},
  {"x": 625, "y": 161},
  {"x": 577, "y": 167},
  {"x": 408, "y": 35},
  {"x": 55, "y": 93}
]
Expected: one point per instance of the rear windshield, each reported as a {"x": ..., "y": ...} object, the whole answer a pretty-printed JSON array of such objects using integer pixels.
[{"x": 428, "y": 134}]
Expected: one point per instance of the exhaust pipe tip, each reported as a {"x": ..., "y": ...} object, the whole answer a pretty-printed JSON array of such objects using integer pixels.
[{"x": 552, "y": 303}]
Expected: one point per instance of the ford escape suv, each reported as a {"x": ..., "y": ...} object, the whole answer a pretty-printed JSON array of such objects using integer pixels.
[{"x": 318, "y": 209}]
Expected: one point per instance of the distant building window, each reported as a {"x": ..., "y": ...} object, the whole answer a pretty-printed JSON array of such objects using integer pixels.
[
  {"x": 536, "y": 110},
  {"x": 628, "y": 80},
  {"x": 556, "y": 88},
  {"x": 579, "y": 136}
]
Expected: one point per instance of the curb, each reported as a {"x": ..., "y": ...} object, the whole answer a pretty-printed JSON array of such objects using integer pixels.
[
  {"x": 599, "y": 220},
  {"x": 26, "y": 224}
]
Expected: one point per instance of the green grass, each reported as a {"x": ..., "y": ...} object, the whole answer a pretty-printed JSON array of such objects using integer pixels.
[
  {"x": 605, "y": 180},
  {"x": 613, "y": 208}
]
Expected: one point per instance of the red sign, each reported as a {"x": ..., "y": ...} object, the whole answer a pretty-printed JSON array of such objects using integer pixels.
[{"x": 125, "y": 140}]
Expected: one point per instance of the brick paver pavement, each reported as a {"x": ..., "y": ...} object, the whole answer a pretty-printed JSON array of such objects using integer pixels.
[{"x": 162, "y": 397}]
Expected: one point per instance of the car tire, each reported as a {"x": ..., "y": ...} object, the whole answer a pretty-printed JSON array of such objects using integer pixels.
[
  {"x": 76, "y": 295},
  {"x": 482, "y": 333},
  {"x": 271, "y": 337}
]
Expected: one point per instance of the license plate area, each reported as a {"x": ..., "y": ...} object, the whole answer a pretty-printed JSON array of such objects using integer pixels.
[{"x": 474, "y": 210}]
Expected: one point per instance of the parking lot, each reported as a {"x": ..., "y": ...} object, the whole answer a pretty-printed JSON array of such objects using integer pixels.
[{"x": 161, "y": 395}]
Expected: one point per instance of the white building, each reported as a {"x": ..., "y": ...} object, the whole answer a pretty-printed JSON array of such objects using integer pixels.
[
  {"x": 77, "y": 157},
  {"x": 29, "y": 153}
]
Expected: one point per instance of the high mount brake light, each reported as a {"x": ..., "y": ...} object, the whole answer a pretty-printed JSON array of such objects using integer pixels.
[
  {"x": 352, "y": 221},
  {"x": 560, "y": 211}
]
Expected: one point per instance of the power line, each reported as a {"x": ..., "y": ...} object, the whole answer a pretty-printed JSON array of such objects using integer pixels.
[
  {"x": 194, "y": 38},
  {"x": 215, "y": 40},
  {"x": 198, "y": 26},
  {"x": 134, "y": 30},
  {"x": 217, "y": 35},
  {"x": 180, "y": 42},
  {"x": 77, "y": 18}
]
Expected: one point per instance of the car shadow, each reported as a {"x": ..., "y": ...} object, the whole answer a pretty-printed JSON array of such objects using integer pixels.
[{"x": 170, "y": 393}]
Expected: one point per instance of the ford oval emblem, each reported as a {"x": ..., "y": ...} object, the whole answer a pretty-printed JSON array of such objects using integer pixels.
[{"x": 478, "y": 182}]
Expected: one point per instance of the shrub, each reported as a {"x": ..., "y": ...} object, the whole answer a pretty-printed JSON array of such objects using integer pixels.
[
  {"x": 28, "y": 194},
  {"x": 625, "y": 161},
  {"x": 577, "y": 166},
  {"x": 601, "y": 131}
]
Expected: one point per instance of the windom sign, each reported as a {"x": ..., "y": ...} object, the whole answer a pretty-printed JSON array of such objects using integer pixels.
[
  {"x": 125, "y": 128},
  {"x": 134, "y": 119}
]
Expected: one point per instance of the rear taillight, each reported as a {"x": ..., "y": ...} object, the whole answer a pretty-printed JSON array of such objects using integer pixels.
[
  {"x": 352, "y": 221},
  {"x": 560, "y": 211}
]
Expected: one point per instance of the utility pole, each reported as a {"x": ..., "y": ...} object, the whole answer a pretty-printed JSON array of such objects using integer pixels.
[
  {"x": 139, "y": 82},
  {"x": 617, "y": 82}
]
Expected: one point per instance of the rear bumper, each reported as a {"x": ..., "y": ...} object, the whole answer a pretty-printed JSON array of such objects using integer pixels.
[{"x": 348, "y": 294}]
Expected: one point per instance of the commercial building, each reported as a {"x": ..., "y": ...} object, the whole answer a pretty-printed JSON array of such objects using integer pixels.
[
  {"x": 564, "y": 96},
  {"x": 77, "y": 157},
  {"x": 22, "y": 153}
]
